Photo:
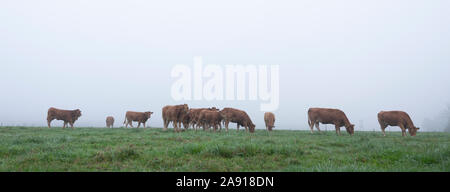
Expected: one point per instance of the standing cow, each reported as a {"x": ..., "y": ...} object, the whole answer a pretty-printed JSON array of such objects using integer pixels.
[
  {"x": 269, "y": 119},
  {"x": 210, "y": 118},
  {"x": 140, "y": 117},
  {"x": 174, "y": 114},
  {"x": 195, "y": 116},
  {"x": 110, "y": 122},
  {"x": 68, "y": 116},
  {"x": 329, "y": 116},
  {"x": 397, "y": 118},
  {"x": 239, "y": 117}
]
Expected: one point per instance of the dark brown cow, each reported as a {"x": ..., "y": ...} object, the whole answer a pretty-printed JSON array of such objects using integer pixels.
[
  {"x": 68, "y": 116},
  {"x": 329, "y": 116},
  {"x": 110, "y": 122},
  {"x": 140, "y": 117},
  {"x": 210, "y": 118},
  {"x": 175, "y": 114},
  {"x": 269, "y": 119},
  {"x": 237, "y": 116},
  {"x": 397, "y": 118}
]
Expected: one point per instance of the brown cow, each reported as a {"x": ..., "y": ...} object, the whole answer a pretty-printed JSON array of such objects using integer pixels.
[
  {"x": 175, "y": 114},
  {"x": 140, "y": 117},
  {"x": 397, "y": 118},
  {"x": 68, "y": 116},
  {"x": 110, "y": 122},
  {"x": 269, "y": 119},
  {"x": 239, "y": 117},
  {"x": 195, "y": 121},
  {"x": 210, "y": 118},
  {"x": 329, "y": 116}
]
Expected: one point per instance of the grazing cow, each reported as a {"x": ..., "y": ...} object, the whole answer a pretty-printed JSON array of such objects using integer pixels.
[
  {"x": 329, "y": 116},
  {"x": 175, "y": 114},
  {"x": 269, "y": 119},
  {"x": 140, "y": 117},
  {"x": 397, "y": 118},
  {"x": 68, "y": 116},
  {"x": 237, "y": 116},
  {"x": 210, "y": 118},
  {"x": 110, "y": 122}
]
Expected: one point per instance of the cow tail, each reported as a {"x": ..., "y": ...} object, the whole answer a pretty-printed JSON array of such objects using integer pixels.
[{"x": 125, "y": 121}]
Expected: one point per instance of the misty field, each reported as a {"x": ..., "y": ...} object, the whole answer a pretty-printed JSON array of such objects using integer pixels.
[{"x": 152, "y": 149}]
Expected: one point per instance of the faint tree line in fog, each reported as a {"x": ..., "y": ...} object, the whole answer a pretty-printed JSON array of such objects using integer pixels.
[{"x": 439, "y": 123}]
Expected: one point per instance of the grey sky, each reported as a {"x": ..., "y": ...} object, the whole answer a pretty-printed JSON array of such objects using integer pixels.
[{"x": 106, "y": 57}]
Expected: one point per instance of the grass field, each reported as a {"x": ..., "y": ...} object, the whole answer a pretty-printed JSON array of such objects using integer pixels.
[{"x": 93, "y": 149}]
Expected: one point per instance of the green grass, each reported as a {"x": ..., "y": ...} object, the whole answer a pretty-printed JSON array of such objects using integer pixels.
[{"x": 91, "y": 149}]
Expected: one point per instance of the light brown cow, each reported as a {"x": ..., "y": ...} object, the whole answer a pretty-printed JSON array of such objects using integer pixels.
[
  {"x": 110, "y": 122},
  {"x": 239, "y": 117},
  {"x": 174, "y": 114},
  {"x": 210, "y": 118},
  {"x": 140, "y": 117},
  {"x": 329, "y": 116},
  {"x": 195, "y": 116},
  {"x": 68, "y": 116},
  {"x": 397, "y": 118},
  {"x": 269, "y": 119}
]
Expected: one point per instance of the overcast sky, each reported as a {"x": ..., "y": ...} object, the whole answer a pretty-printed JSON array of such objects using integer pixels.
[{"x": 106, "y": 57}]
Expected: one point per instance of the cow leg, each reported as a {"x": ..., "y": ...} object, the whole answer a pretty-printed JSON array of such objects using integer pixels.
[
  {"x": 227, "y": 123},
  {"x": 338, "y": 130},
  {"x": 403, "y": 130},
  {"x": 139, "y": 125},
  {"x": 317, "y": 126},
  {"x": 48, "y": 122},
  {"x": 71, "y": 125},
  {"x": 383, "y": 129},
  {"x": 175, "y": 126},
  {"x": 311, "y": 125},
  {"x": 165, "y": 124},
  {"x": 383, "y": 126},
  {"x": 179, "y": 126},
  {"x": 144, "y": 124},
  {"x": 64, "y": 125}
]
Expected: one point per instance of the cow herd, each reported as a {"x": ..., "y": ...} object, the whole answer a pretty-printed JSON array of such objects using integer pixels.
[{"x": 212, "y": 119}]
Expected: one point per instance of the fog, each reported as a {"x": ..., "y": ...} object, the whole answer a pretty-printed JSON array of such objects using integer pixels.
[{"x": 107, "y": 57}]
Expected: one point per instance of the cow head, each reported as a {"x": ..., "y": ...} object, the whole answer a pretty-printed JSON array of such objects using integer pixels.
[
  {"x": 413, "y": 131},
  {"x": 351, "y": 129},
  {"x": 252, "y": 128},
  {"x": 148, "y": 114},
  {"x": 213, "y": 109},
  {"x": 77, "y": 113},
  {"x": 185, "y": 109}
]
